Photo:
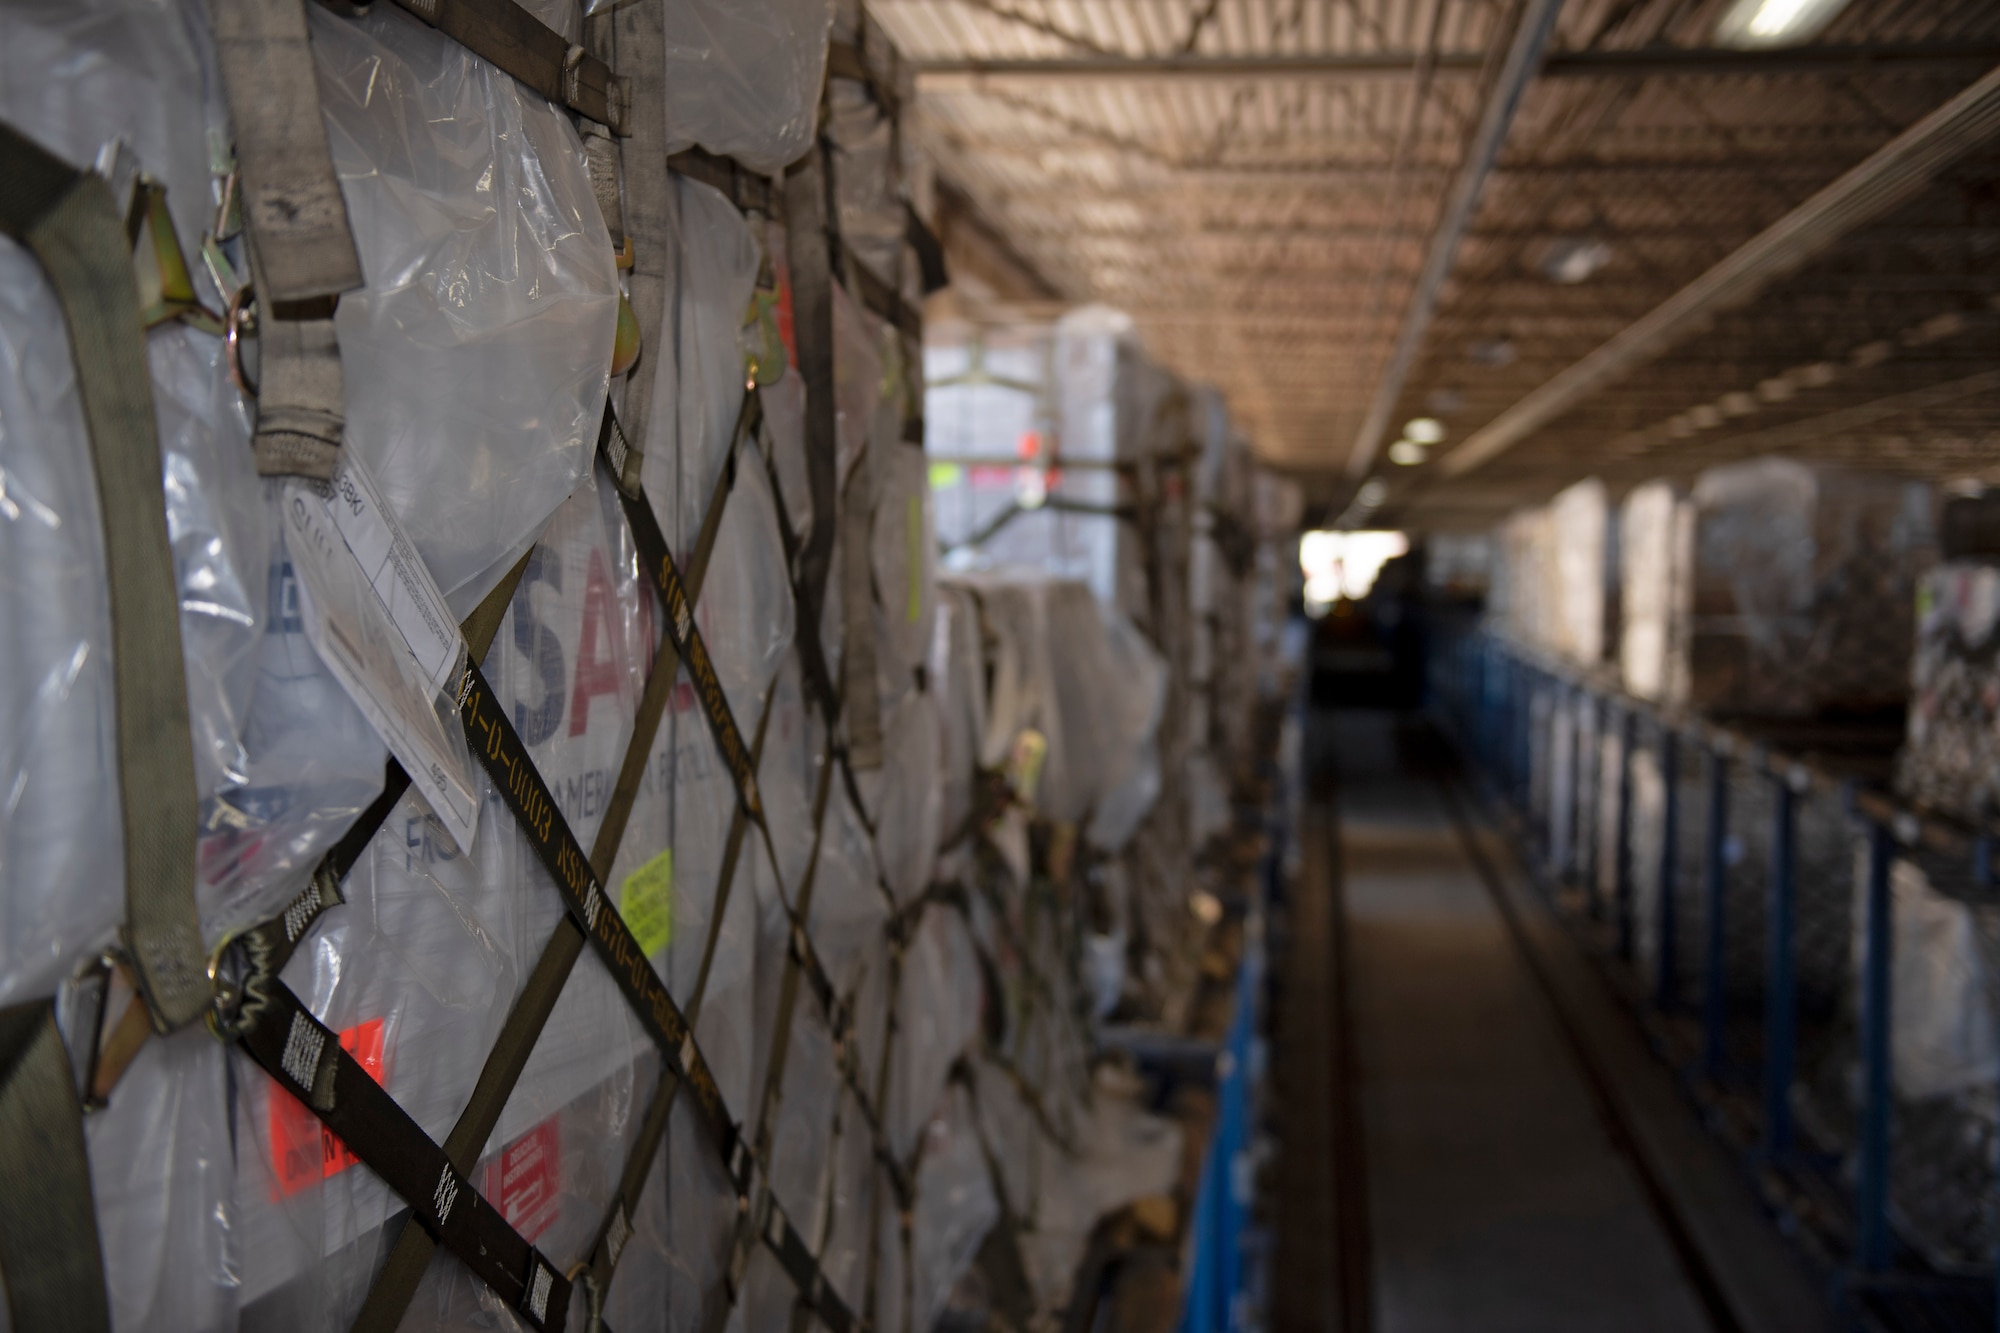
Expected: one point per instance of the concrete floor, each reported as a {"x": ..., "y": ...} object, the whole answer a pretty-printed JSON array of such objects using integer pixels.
[{"x": 1496, "y": 1199}]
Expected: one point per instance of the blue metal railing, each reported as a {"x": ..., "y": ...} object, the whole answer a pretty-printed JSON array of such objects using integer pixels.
[
  {"x": 1487, "y": 691},
  {"x": 1218, "y": 1282}
]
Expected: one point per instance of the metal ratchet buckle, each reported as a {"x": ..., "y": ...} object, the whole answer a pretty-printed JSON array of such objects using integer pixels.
[{"x": 238, "y": 974}]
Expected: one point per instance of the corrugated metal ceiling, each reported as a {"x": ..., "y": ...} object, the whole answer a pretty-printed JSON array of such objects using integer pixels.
[{"x": 1266, "y": 232}]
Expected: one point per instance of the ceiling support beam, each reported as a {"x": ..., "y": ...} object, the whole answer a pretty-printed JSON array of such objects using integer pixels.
[
  {"x": 1642, "y": 63},
  {"x": 1517, "y": 70},
  {"x": 1897, "y": 171}
]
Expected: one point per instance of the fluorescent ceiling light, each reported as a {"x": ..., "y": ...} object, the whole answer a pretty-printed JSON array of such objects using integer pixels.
[
  {"x": 1424, "y": 430},
  {"x": 1752, "y": 23},
  {"x": 1573, "y": 260},
  {"x": 1406, "y": 453}
]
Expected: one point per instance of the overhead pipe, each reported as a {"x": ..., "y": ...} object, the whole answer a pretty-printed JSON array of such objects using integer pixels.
[
  {"x": 1643, "y": 62},
  {"x": 1881, "y": 182},
  {"x": 1524, "y": 57}
]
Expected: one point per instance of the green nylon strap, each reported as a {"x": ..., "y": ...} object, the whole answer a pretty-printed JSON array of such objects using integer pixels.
[
  {"x": 68, "y": 220},
  {"x": 52, "y": 1268},
  {"x": 750, "y": 1225},
  {"x": 616, "y": 1228}
]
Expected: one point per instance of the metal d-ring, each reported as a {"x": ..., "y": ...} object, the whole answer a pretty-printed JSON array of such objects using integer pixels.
[{"x": 232, "y": 323}]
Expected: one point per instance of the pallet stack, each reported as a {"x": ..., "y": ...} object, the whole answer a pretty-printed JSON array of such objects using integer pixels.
[{"x": 479, "y": 656}]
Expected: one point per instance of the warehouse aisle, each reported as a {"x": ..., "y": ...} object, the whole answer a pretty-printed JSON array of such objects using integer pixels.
[{"x": 1496, "y": 1198}]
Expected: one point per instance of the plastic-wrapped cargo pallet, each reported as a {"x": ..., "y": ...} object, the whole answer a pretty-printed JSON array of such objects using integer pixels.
[
  {"x": 1788, "y": 589},
  {"x": 1945, "y": 929},
  {"x": 1522, "y": 605},
  {"x": 1585, "y": 532},
  {"x": 1052, "y": 437},
  {"x": 1118, "y": 578},
  {"x": 637, "y": 998}
]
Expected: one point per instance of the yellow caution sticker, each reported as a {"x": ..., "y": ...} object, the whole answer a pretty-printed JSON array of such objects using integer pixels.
[{"x": 647, "y": 903}]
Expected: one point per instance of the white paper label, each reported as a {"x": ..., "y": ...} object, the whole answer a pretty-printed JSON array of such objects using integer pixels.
[
  {"x": 397, "y": 574},
  {"x": 350, "y": 629}
]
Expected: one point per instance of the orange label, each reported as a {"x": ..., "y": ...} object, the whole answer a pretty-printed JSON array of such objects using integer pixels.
[{"x": 303, "y": 1151}]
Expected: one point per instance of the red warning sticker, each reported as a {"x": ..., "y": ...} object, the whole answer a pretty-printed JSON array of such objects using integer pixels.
[
  {"x": 303, "y": 1151},
  {"x": 525, "y": 1179}
]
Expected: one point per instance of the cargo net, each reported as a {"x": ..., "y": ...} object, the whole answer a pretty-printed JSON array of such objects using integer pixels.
[{"x": 746, "y": 988}]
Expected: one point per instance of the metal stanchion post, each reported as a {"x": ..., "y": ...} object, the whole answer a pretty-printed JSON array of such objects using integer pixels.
[
  {"x": 1780, "y": 969},
  {"x": 1871, "y": 1202},
  {"x": 1715, "y": 975}
]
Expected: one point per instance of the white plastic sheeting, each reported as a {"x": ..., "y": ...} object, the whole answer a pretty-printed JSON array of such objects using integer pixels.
[
  {"x": 477, "y": 357},
  {"x": 743, "y": 76}
]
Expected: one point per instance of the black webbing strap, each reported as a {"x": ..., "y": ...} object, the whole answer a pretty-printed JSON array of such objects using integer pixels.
[
  {"x": 881, "y": 299},
  {"x": 861, "y": 704},
  {"x": 812, "y": 658},
  {"x": 505, "y": 35},
  {"x": 685, "y": 636},
  {"x": 500, "y": 749},
  {"x": 69, "y": 222},
  {"x": 307, "y": 1061},
  {"x": 51, "y": 1268},
  {"x": 882, "y": 1142},
  {"x": 930, "y": 255},
  {"x": 397, "y": 1284},
  {"x": 269, "y": 946},
  {"x": 806, "y": 214},
  {"x": 1042, "y": 990},
  {"x": 750, "y": 192}
]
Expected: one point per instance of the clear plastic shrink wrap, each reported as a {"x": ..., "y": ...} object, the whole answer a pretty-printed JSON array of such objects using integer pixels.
[
  {"x": 272, "y": 800},
  {"x": 283, "y": 762},
  {"x": 477, "y": 357},
  {"x": 743, "y": 76},
  {"x": 956, "y": 1206},
  {"x": 418, "y": 970},
  {"x": 698, "y": 370}
]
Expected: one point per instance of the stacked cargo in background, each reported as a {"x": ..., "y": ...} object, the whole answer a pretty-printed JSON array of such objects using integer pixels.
[
  {"x": 968, "y": 810},
  {"x": 1553, "y": 575},
  {"x": 1521, "y": 603},
  {"x": 1775, "y": 589},
  {"x": 1656, "y": 557},
  {"x": 1586, "y": 572},
  {"x": 1781, "y": 593}
]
